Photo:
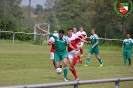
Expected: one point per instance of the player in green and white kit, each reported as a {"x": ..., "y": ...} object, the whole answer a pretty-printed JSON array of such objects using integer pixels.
[
  {"x": 60, "y": 49},
  {"x": 93, "y": 48},
  {"x": 127, "y": 49}
]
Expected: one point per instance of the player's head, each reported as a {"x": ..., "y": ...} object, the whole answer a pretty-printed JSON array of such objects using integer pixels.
[
  {"x": 128, "y": 35},
  {"x": 81, "y": 29},
  {"x": 69, "y": 31},
  {"x": 55, "y": 31},
  {"x": 92, "y": 31},
  {"x": 61, "y": 33},
  {"x": 74, "y": 29}
]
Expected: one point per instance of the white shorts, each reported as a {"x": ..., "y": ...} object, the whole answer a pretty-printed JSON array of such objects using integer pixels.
[
  {"x": 52, "y": 56},
  {"x": 82, "y": 43},
  {"x": 71, "y": 54}
]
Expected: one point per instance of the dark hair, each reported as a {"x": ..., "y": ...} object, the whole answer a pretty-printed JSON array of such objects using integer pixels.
[
  {"x": 93, "y": 29},
  {"x": 127, "y": 33},
  {"x": 69, "y": 29},
  {"x": 61, "y": 31}
]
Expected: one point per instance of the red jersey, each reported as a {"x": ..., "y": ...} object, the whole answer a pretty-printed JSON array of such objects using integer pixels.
[
  {"x": 51, "y": 40},
  {"x": 73, "y": 40}
]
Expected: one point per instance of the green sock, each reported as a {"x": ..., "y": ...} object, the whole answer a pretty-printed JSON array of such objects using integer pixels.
[
  {"x": 129, "y": 59},
  {"x": 87, "y": 60},
  {"x": 125, "y": 61},
  {"x": 65, "y": 72},
  {"x": 100, "y": 60}
]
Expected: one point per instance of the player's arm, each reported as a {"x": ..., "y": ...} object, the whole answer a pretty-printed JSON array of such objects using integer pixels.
[
  {"x": 95, "y": 44},
  {"x": 83, "y": 40},
  {"x": 72, "y": 47},
  {"x": 97, "y": 41},
  {"x": 44, "y": 31},
  {"x": 132, "y": 46},
  {"x": 122, "y": 48}
]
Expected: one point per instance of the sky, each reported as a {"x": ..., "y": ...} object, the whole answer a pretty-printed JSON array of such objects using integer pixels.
[{"x": 33, "y": 2}]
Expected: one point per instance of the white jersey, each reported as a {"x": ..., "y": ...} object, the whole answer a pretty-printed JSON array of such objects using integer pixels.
[
  {"x": 72, "y": 41},
  {"x": 83, "y": 33}
]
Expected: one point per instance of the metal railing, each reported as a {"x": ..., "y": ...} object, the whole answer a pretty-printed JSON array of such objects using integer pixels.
[
  {"x": 75, "y": 83},
  {"x": 13, "y": 34}
]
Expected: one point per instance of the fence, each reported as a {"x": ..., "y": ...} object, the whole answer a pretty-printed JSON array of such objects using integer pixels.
[
  {"x": 13, "y": 33},
  {"x": 75, "y": 83}
]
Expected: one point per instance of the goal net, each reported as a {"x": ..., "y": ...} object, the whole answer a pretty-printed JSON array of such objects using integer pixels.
[{"x": 39, "y": 36}]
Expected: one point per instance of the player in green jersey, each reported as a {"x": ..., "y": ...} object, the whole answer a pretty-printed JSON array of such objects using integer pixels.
[
  {"x": 60, "y": 49},
  {"x": 93, "y": 48},
  {"x": 127, "y": 49}
]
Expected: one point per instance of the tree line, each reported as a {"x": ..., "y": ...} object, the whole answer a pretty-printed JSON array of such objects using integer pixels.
[{"x": 61, "y": 14}]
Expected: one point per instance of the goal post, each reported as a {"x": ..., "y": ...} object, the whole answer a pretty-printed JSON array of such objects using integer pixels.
[{"x": 38, "y": 34}]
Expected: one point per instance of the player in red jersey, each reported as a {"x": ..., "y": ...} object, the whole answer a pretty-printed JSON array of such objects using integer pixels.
[
  {"x": 75, "y": 33},
  {"x": 83, "y": 33},
  {"x": 73, "y": 51},
  {"x": 51, "y": 42}
]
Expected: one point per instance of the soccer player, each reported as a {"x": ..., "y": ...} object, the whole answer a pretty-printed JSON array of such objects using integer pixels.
[
  {"x": 60, "y": 49},
  {"x": 82, "y": 32},
  {"x": 93, "y": 48},
  {"x": 75, "y": 33},
  {"x": 51, "y": 42},
  {"x": 73, "y": 52},
  {"x": 127, "y": 49}
]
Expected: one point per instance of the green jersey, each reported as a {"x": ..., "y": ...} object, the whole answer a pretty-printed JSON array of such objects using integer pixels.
[
  {"x": 60, "y": 44},
  {"x": 94, "y": 38},
  {"x": 128, "y": 44}
]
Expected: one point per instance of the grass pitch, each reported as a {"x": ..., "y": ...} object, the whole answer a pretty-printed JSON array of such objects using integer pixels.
[{"x": 25, "y": 63}]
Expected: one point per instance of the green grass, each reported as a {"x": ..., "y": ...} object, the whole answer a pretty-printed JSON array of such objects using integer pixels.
[{"x": 24, "y": 63}]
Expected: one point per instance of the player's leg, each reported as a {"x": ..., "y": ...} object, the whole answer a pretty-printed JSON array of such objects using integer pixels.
[
  {"x": 64, "y": 60},
  {"x": 52, "y": 58},
  {"x": 56, "y": 60},
  {"x": 78, "y": 55},
  {"x": 96, "y": 51},
  {"x": 125, "y": 58},
  {"x": 81, "y": 49},
  {"x": 90, "y": 52},
  {"x": 75, "y": 59},
  {"x": 129, "y": 55},
  {"x": 100, "y": 60}
]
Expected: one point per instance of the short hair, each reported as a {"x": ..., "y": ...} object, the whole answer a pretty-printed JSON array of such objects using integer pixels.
[
  {"x": 75, "y": 27},
  {"x": 81, "y": 27},
  {"x": 69, "y": 29},
  {"x": 61, "y": 31},
  {"x": 93, "y": 29},
  {"x": 127, "y": 33}
]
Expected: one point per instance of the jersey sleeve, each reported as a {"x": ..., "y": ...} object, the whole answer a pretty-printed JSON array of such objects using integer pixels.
[
  {"x": 123, "y": 43},
  {"x": 97, "y": 38},
  {"x": 51, "y": 39},
  {"x": 53, "y": 35},
  {"x": 132, "y": 42}
]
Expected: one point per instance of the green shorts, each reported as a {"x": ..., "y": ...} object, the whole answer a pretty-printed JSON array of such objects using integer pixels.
[
  {"x": 127, "y": 54},
  {"x": 93, "y": 50},
  {"x": 58, "y": 56}
]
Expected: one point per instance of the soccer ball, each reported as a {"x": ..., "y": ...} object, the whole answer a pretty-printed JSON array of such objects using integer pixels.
[{"x": 58, "y": 70}]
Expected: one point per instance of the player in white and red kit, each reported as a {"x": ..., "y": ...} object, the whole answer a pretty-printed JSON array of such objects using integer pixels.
[
  {"x": 75, "y": 33},
  {"x": 83, "y": 33},
  {"x": 73, "y": 51},
  {"x": 51, "y": 42}
]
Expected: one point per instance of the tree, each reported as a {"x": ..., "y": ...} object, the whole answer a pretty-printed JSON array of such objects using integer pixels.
[{"x": 38, "y": 9}]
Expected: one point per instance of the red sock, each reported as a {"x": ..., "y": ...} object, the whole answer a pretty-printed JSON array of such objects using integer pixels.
[
  {"x": 80, "y": 60},
  {"x": 74, "y": 72},
  {"x": 81, "y": 51},
  {"x": 74, "y": 61}
]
